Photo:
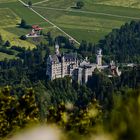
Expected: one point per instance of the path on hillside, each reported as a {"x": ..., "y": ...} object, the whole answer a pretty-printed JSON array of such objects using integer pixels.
[
  {"x": 40, "y": 2},
  {"x": 49, "y": 22},
  {"x": 87, "y": 12}
]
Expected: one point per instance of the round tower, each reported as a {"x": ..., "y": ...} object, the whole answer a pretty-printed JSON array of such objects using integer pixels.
[
  {"x": 99, "y": 57},
  {"x": 56, "y": 49}
]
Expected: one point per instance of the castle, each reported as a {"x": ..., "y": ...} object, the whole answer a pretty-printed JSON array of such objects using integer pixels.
[{"x": 61, "y": 65}]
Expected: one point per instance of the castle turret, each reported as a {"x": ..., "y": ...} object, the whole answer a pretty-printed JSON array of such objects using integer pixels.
[
  {"x": 99, "y": 57},
  {"x": 56, "y": 49},
  {"x": 62, "y": 65}
]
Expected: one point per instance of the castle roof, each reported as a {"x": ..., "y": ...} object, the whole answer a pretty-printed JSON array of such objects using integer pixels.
[
  {"x": 67, "y": 57},
  {"x": 54, "y": 58},
  {"x": 70, "y": 56}
]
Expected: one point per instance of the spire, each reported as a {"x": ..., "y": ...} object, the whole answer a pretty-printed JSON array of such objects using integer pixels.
[
  {"x": 99, "y": 57},
  {"x": 56, "y": 48},
  {"x": 99, "y": 52}
]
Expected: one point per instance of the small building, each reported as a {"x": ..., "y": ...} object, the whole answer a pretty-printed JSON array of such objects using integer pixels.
[{"x": 35, "y": 32}]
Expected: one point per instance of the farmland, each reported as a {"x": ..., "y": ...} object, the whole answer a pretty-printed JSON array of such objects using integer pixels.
[
  {"x": 92, "y": 22},
  {"x": 124, "y": 3},
  {"x": 6, "y": 1},
  {"x": 9, "y": 18},
  {"x": 95, "y": 20}
]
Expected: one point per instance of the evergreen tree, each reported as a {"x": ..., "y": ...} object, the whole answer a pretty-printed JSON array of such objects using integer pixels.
[
  {"x": 23, "y": 23},
  {"x": 79, "y": 4},
  {"x": 30, "y": 3},
  {"x": 7, "y": 44}
]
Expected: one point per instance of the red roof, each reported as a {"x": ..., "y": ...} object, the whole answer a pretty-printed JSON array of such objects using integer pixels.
[{"x": 36, "y": 27}]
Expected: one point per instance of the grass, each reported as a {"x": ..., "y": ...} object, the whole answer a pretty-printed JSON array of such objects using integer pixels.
[
  {"x": 93, "y": 23},
  {"x": 11, "y": 13},
  {"x": 14, "y": 39},
  {"x": 8, "y": 17},
  {"x": 123, "y": 3},
  {"x": 58, "y": 3},
  {"x": 6, "y": 1},
  {"x": 92, "y": 26},
  {"x": 33, "y": 1},
  {"x": 89, "y": 35}
]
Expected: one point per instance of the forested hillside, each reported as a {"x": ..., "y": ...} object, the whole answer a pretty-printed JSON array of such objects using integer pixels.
[{"x": 123, "y": 44}]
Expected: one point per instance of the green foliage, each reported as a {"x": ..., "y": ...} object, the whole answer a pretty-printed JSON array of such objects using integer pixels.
[
  {"x": 123, "y": 120},
  {"x": 123, "y": 43},
  {"x": 71, "y": 118},
  {"x": 23, "y": 23},
  {"x": 23, "y": 37},
  {"x": 30, "y": 3},
  {"x": 16, "y": 112},
  {"x": 80, "y": 4},
  {"x": 7, "y": 44},
  {"x": 101, "y": 85}
]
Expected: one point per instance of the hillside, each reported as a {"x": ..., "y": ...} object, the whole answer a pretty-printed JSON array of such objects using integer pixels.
[
  {"x": 95, "y": 20},
  {"x": 56, "y": 79},
  {"x": 123, "y": 44}
]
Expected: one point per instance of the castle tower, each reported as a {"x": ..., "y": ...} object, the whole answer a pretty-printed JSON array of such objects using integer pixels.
[
  {"x": 56, "y": 49},
  {"x": 62, "y": 65},
  {"x": 99, "y": 57}
]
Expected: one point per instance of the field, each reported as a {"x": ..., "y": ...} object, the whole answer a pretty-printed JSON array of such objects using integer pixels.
[
  {"x": 92, "y": 22},
  {"x": 6, "y": 1},
  {"x": 8, "y": 17},
  {"x": 124, "y": 3},
  {"x": 95, "y": 20},
  {"x": 11, "y": 13}
]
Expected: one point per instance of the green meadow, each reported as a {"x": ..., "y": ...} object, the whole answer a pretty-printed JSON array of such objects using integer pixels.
[
  {"x": 92, "y": 22},
  {"x": 95, "y": 20}
]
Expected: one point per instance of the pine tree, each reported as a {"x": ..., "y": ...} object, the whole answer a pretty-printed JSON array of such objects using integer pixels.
[
  {"x": 7, "y": 44},
  {"x": 30, "y": 3},
  {"x": 23, "y": 23}
]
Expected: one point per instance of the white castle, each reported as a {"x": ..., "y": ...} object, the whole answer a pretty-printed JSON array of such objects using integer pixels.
[{"x": 61, "y": 65}]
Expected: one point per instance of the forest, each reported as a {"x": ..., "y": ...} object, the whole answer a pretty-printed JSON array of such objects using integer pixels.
[{"x": 112, "y": 104}]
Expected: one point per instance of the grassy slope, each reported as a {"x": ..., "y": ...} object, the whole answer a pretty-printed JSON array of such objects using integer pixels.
[
  {"x": 6, "y": 1},
  {"x": 10, "y": 17},
  {"x": 33, "y": 1},
  {"x": 124, "y": 3},
  {"x": 14, "y": 39},
  {"x": 26, "y": 14},
  {"x": 89, "y": 26}
]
